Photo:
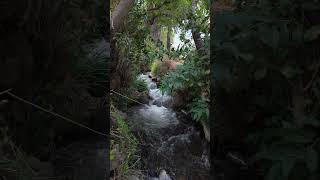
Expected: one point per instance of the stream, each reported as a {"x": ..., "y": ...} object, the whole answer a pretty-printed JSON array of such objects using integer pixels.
[{"x": 172, "y": 147}]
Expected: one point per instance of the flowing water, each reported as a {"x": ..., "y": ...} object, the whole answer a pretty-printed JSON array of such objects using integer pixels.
[{"x": 172, "y": 147}]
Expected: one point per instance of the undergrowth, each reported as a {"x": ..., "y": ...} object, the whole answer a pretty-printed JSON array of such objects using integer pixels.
[
  {"x": 13, "y": 161},
  {"x": 123, "y": 146},
  {"x": 267, "y": 57},
  {"x": 191, "y": 77},
  {"x": 140, "y": 85},
  {"x": 91, "y": 70},
  {"x": 135, "y": 89},
  {"x": 155, "y": 66}
]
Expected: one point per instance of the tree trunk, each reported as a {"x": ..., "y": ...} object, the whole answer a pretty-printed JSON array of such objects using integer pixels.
[
  {"x": 118, "y": 17},
  {"x": 120, "y": 14},
  {"x": 169, "y": 38},
  {"x": 195, "y": 33},
  {"x": 197, "y": 39},
  {"x": 155, "y": 31}
]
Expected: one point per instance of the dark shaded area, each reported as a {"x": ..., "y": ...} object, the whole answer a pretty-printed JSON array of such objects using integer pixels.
[
  {"x": 265, "y": 117},
  {"x": 53, "y": 54}
]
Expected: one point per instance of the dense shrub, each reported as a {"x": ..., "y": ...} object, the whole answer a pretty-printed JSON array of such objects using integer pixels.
[
  {"x": 191, "y": 77},
  {"x": 266, "y": 55}
]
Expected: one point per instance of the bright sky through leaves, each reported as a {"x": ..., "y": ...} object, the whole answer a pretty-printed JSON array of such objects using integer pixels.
[{"x": 176, "y": 38}]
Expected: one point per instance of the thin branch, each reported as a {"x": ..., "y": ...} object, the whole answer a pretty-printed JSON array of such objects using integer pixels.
[
  {"x": 6, "y": 91},
  {"x": 57, "y": 115}
]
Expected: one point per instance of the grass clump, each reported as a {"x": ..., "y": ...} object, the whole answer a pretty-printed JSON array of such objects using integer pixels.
[
  {"x": 140, "y": 85},
  {"x": 155, "y": 67},
  {"x": 123, "y": 146}
]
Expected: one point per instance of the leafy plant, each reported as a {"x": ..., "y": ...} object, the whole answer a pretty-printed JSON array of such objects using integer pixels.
[
  {"x": 140, "y": 85},
  {"x": 192, "y": 77},
  {"x": 155, "y": 67},
  {"x": 264, "y": 53},
  {"x": 91, "y": 70},
  {"x": 199, "y": 110},
  {"x": 286, "y": 148},
  {"x": 122, "y": 136}
]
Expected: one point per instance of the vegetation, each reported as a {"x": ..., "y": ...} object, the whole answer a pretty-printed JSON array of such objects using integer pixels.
[
  {"x": 142, "y": 42},
  {"x": 123, "y": 146},
  {"x": 14, "y": 161},
  {"x": 140, "y": 85},
  {"x": 49, "y": 58},
  {"x": 155, "y": 67},
  {"x": 266, "y": 102},
  {"x": 264, "y": 97}
]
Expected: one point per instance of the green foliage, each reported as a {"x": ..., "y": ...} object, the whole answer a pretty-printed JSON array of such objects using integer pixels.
[
  {"x": 265, "y": 55},
  {"x": 135, "y": 89},
  {"x": 155, "y": 67},
  {"x": 153, "y": 52},
  {"x": 127, "y": 143},
  {"x": 91, "y": 70},
  {"x": 140, "y": 85},
  {"x": 121, "y": 102},
  {"x": 285, "y": 148},
  {"x": 137, "y": 51},
  {"x": 199, "y": 110},
  {"x": 193, "y": 77},
  {"x": 51, "y": 36}
]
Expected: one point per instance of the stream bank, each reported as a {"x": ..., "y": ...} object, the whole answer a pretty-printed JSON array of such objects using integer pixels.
[{"x": 171, "y": 144}]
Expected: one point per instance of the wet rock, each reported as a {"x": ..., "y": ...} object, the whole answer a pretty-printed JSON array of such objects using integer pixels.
[
  {"x": 153, "y": 85},
  {"x": 143, "y": 98},
  {"x": 155, "y": 79},
  {"x": 133, "y": 177},
  {"x": 170, "y": 141},
  {"x": 164, "y": 176},
  {"x": 206, "y": 130},
  {"x": 83, "y": 160},
  {"x": 189, "y": 141},
  {"x": 153, "y": 178}
]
